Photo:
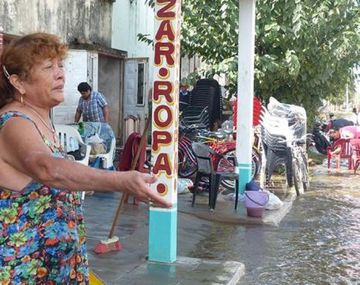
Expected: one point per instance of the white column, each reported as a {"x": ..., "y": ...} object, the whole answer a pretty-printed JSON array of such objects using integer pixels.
[{"x": 245, "y": 91}]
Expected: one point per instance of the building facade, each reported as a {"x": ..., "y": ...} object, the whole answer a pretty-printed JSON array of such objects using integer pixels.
[
  {"x": 86, "y": 25},
  {"x": 104, "y": 51}
]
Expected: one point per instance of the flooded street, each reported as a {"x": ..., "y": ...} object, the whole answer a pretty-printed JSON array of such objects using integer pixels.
[{"x": 318, "y": 242}]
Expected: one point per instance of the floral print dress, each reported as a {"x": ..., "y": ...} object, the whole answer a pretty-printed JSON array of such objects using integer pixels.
[{"x": 42, "y": 232}]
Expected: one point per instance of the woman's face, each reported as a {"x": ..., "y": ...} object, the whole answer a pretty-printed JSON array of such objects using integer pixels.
[{"x": 45, "y": 86}]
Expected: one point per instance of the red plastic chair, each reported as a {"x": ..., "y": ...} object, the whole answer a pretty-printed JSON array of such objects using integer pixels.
[
  {"x": 130, "y": 149},
  {"x": 257, "y": 106},
  {"x": 132, "y": 146},
  {"x": 355, "y": 146},
  {"x": 345, "y": 152},
  {"x": 351, "y": 132}
]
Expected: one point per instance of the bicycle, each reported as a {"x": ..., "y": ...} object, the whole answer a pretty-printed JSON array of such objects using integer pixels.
[
  {"x": 187, "y": 164},
  {"x": 226, "y": 161},
  {"x": 223, "y": 161},
  {"x": 193, "y": 118},
  {"x": 300, "y": 172}
]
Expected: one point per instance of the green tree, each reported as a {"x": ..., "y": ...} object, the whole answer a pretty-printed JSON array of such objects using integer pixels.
[{"x": 305, "y": 49}]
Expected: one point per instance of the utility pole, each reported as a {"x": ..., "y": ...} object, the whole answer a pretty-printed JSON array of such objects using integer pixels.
[{"x": 347, "y": 97}]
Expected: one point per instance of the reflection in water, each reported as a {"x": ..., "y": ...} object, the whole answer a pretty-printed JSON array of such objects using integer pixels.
[{"x": 318, "y": 242}]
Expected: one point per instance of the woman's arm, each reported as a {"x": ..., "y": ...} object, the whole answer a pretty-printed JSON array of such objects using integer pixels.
[{"x": 25, "y": 151}]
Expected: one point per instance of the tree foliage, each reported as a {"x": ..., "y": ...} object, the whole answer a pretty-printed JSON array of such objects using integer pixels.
[{"x": 305, "y": 49}]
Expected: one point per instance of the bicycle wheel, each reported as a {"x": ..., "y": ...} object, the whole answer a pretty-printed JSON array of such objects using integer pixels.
[
  {"x": 226, "y": 163},
  {"x": 306, "y": 185},
  {"x": 305, "y": 171},
  {"x": 187, "y": 166},
  {"x": 256, "y": 163},
  {"x": 297, "y": 177}
]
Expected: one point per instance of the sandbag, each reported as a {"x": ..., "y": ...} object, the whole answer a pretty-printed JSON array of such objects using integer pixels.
[
  {"x": 98, "y": 148},
  {"x": 183, "y": 185},
  {"x": 274, "y": 202}
]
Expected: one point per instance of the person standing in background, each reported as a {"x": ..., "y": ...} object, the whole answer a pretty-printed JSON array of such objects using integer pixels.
[
  {"x": 92, "y": 105},
  {"x": 184, "y": 95},
  {"x": 354, "y": 116},
  {"x": 357, "y": 117}
]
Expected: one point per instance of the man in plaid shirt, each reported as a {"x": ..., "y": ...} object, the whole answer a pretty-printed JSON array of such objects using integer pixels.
[{"x": 92, "y": 105}]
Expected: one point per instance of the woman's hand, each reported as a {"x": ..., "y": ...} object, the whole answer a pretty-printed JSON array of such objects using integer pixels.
[{"x": 137, "y": 184}]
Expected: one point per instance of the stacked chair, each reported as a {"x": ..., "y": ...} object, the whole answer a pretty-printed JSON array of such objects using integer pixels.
[
  {"x": 280, "y": 125},
  {"x": 295, "y": 115},
  {"x": 275, "y": 136},
  {"x": 196, "y": 117},
  {"x": 207, "y": 93},
  {"x": 257, "y": 107}
]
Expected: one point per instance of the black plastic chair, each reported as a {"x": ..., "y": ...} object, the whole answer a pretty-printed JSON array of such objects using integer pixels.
[
  {"x": 195, "y": 115},
  {"x": 203, "y": 154},
  {"x": 207, "y": 92}
]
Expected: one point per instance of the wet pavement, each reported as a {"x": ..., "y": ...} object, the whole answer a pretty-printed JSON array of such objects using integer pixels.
[
  {"x": 130, "y": 265},
  {"x": 225, "y": 212},
  {"x": 317, "y": 240}
]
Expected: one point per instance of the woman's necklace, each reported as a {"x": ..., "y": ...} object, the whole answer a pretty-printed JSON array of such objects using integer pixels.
[{"x": 51, "y": 127}]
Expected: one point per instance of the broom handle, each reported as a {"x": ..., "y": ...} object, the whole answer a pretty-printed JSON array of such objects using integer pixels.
[{"x": 133, "y": 166}]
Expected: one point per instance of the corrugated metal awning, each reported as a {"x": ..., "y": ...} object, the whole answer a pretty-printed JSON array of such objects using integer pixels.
[{"x": 100, "y": 49}]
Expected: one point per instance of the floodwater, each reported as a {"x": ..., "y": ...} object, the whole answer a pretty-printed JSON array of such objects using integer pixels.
[{"x": 318, "y": 242}]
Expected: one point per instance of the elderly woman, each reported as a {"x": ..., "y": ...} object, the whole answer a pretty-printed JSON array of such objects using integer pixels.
[{"x": 41, "y": 221}]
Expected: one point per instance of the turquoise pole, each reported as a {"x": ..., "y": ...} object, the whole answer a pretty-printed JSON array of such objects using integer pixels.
[
  {"x": 162, "y": 235},
  {"x": 244, "y": 171}
]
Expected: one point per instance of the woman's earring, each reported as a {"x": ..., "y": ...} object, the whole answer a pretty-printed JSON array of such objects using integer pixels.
[{"x": 22, "y": 99}]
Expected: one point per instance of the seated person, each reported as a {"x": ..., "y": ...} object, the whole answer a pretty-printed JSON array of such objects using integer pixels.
[
  {"x": 334, "y": 134},
  {"x": 347, "y": 132}
]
